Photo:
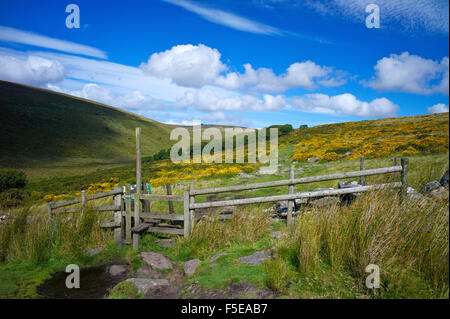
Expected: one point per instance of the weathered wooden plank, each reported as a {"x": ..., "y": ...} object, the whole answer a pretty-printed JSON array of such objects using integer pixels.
[
  {"x": 291, "y": 191},
  {"x": 191, "y": 211},
  {"x": 127, "y": 212},
  {"x": 404, "y": 175},
  {"x": 186, "y": 215},
  {"x": 163, "y": 216},
  {"x": 161, "y": 197},
  {"x": 110, "y": 224},
  {"x": 361, "y": 167},
  {"x": 88, "y": 198},
  {"x": 137, "y": 202},
  {"x": 75, "y": 209},
  {"x": 169, "y": 192},
  {"x": 140, "y": 228},
  {"x": 276, "y": 198},
  {"x": 303, "y": 180},
  {"x": 164, "y": 230}
]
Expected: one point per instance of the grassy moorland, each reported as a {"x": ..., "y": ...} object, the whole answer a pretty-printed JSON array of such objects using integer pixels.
[{"x": 322, "y": 255}]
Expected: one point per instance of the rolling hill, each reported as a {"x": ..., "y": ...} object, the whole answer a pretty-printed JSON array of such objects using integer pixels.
[{"x": 39, "y": 126}]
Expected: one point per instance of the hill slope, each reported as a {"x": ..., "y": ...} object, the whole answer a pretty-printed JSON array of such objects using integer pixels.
[
  {"x": 39, "y": 125},
  {"x": 403, "y": 136}
]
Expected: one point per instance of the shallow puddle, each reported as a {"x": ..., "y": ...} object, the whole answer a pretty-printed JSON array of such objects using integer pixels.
[{"x": 95, "y": 282}]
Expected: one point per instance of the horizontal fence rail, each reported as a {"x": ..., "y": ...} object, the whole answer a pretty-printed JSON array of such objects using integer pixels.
[
  {"x": 300, "y": 195},
  {"x": 295, "y": 181},
  {"x": 90, "y": 197}
]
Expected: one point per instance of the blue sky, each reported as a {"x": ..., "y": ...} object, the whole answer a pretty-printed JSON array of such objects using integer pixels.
[{"x": 252, "y": 63}]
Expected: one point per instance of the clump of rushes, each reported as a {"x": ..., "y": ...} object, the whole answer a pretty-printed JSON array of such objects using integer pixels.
[
  {"x": 35, "y": 239},
  {"x": 407, "y": 239}
]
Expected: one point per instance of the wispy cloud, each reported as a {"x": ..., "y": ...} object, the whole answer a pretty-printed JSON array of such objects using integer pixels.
[
  {"x": 24, "y": 37},
  {"x": 409, "y": 15},
  {"x": 227, "y": 19}
]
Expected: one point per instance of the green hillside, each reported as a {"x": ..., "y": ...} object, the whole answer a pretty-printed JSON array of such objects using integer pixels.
[{"x": 39, "y": 126}]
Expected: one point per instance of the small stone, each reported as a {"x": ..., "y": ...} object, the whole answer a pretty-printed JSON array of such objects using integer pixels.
[
  {"x": 190, "y": 266},
  {"x": 313, "y": 159},
  {"x": 256, "y": 258},
  {"x": 156, "y": 261},
  {"x": 117, "y": 270},
  {"x": 244, "y": 175},
  {"x": 94, "y": 251},
  {"x": 348, "y": 184},
  {"x": 216, "y": 256},
  {"x": 145, "y": 285},
  {"x": 165, "y": 243},
  {"x": 444, "y": 179},
  {"x": 431, "y": 186},
  {"x": 276, "y": 234}
]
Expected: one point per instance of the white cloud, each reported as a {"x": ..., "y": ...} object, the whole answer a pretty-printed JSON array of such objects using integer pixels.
[
  {"x": 438, "y": 108},
  {"x": 23, "y": 37},
  {"x": 30, "y": 69},
  {"x": 187, "y": 65},
  {"x": 213, "y": 99},
  {"x": 408, "y": 15},
  {"x": 412, "y": 74},
  {"x": 306, "y": 75},
  {"x": 135, "y": 100},
  {"x": 343, "y": 104},
  {"x": 227, "y": 19}
]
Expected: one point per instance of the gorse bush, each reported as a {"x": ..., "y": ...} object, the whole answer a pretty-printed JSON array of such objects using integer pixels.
[{"x": 12, "y": 179}]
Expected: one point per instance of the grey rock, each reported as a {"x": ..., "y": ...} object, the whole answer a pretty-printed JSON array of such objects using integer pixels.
[
  {"x": 276, "y": 234},
  {"x": 156, "y": 261},
  {"x": 145, "y": 285},
  {"x": 325, "y": 201},
  {"x": 216, "y": 256},
  {"x": 256, "y": 258},
  {"x": 439, "y": 193},
  {"x": 93, "y": 251},
  {"x": 244, "y": 175},
  {"x": 143, "y": 271},
  {"x": 347, "y": 154},
  {"x": 313, "y": 159},
  {"x": 117, "y": 270},
  {"x": 444, "y": 179},
  {"x": 348, "y": 184},
  {"x": 428, "y": 187},
  {"x": 190, "y": 266},
  {"x": 165, "y": 243}
]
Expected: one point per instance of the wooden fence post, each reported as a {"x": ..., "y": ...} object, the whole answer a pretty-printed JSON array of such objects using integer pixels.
[
  {"x": 118, "y": 219},
  {"x": 291, "y": 191},
  {"x": 361, "y": 167},
  {"x": 169, "y": 192},
  {"x": 128, "y": 212},
  {"x": 49, "y": 212},
  {"x": 404, "y": 175},
  {"x": 396, "y": 174},
  {"x": 187, "y": 217},
  {"x": 191, "y": 211},
  {"x": 137, "y": 201}
]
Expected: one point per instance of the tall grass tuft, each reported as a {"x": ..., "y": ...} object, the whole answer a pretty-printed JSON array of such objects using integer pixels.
[
  {"x": 408, "y": 240},
  {"x": 35, "y": 239},
  {"x": 210, "y": 234}
]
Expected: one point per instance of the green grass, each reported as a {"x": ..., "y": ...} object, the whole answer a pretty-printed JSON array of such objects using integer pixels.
[{"x": 43, "y": 129}]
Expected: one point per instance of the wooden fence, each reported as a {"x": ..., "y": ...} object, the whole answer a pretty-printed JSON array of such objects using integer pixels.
[{"x": 130, "y": 225}]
